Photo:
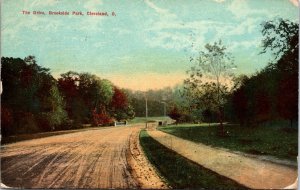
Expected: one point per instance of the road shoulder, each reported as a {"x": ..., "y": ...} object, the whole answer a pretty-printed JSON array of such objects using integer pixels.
[{"x": 141, "y": 168}]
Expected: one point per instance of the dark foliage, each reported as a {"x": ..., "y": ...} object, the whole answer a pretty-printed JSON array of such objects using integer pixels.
[
  {"x": 272, "y": 94},
  {"x": 33, "y": 101}
]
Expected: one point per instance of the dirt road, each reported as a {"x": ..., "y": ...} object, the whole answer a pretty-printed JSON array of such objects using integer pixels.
[
  {"x": 251, "y": 172},
  {"x": 88, "y": 159}
]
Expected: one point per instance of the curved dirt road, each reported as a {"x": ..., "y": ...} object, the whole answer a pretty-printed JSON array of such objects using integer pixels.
[{"x": 88, "y": 159}]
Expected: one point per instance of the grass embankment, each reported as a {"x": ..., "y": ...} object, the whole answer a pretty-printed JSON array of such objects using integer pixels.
[
  {"x": 281, "y": 142},
  {"x": 180, "y": 172},
  {"x": 143, "y": 119}
]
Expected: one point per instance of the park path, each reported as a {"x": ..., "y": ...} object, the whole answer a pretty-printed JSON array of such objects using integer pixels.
[
  {"x": 250, "y": 172},
  {"x": 101, "y": 158}
]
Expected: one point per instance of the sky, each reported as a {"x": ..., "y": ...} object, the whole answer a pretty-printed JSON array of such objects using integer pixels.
[{"x": 147, "y": 44}]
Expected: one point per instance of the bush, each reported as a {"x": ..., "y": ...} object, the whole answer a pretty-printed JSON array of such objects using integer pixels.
[
  {"x": 27, "y": 124},
  {"x": 43, "y": 122},
  {"x": 6, "y": 121}
]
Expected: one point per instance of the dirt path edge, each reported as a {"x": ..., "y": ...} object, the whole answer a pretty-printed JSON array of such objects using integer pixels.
[
  {"x": 250, "y": 172},
  {"x": 140, "y": 167}
]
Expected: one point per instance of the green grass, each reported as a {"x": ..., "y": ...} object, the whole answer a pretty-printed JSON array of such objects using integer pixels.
[
  {"x": 180, "y": 172},
  {"x": 281, "y": 142},
  {"x": 143, "y": 119}
]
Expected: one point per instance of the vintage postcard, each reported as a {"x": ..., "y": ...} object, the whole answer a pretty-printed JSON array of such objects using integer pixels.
[{"x": 149, "y": 94}]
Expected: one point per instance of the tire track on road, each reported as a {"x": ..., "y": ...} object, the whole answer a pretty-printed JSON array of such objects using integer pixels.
[{"x": 88, "y": 159}]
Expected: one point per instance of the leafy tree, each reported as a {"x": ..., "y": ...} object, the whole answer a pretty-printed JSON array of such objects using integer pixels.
[
  {"x": 106, "y": 92},
  {"x": 7, "y": 121},
  {"x": 93, "y": 99},
  {"x": 154, "y": 97},
  {"x": 175, "y": 114},
  {"x": 281, "y": 38},
  {"x": 120, "y": 108},
  {"x": 214, "y": 64},
  {"x": 240, "y": 103},
  {"x": 25, "y": 98},
  {"x": 58, "y": 115},
  {"x": 68, "y": 85}
]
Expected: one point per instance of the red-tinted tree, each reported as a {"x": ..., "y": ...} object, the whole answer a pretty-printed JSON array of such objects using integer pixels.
[
  {"x": 175, "y": 114},
  {"x": 119, "y": 99},
  {"x": 119, "y": 107}
]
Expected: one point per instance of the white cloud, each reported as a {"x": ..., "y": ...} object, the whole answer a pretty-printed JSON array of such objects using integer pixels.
[
  {"x": 168, "y": 40},
  {"x": 92, "y": 5},
  {"x": 219, "y": 1},
  {"x": 248, "y": 25},
  {"x": 175, "y": 34},
  {"x": 170, "y": 32},
  {"x": 121, "y": 31},
  {"x": 41, "y": 3},
  {"x": 163, "y": 13},
  {"x": 99, "y": 44},
  {"x": 241, "y": 10},
  {"x": 124, "y": 59},
  {"x": 156, "y": 8},
  {"x": 246, "y": 44}
]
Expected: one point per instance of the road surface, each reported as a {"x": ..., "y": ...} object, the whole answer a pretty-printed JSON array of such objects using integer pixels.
[{"x": 88, "y": 159}]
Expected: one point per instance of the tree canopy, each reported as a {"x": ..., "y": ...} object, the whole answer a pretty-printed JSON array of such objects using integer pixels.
[
  {"x": 214, "y": 65},
  {"x": 33, "y": 100}
]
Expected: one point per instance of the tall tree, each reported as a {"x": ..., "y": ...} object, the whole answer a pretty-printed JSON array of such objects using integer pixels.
[
  {"x": 68, "y": 85},
  {"x": 239, "y": 99},
  {"x": 57, "y": 115},
  {"x": 28, "y": 96},
  {"x": 119, "y": 106},
  {"x": 214, "y": 64},
  {"x": 281, "y": 38}
]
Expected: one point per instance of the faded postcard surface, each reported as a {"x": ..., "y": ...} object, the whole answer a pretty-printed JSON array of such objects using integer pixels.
[{"x": 149, "y": 94}]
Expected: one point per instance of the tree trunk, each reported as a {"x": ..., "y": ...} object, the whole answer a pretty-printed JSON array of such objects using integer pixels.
[{"x": 221, "y": 126}]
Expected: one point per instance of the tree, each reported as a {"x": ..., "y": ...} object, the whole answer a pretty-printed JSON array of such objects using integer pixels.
[
  {"x": 106, "y": 92},
  {"x": 281, "y": 38},
  {"x": 30, "y": 99},
  {"x": 214, "y": 64},
  {"x": 239, "y": 103},
  {"x": 57, "y": 115},
  {"x": 154, "y": 97},
  {"x": 68, "y": 85},
  {"x": 175, "y": 114},
  {"x": 86, "y": 95},
  {"x": 119, "y": 106}
]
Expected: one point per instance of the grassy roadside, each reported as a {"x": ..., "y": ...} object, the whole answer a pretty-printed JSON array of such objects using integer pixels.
[
  {"x": 180, "y": 172},
  {"x": 265, "y": 140},
  {"x": 143, "y": 119}
]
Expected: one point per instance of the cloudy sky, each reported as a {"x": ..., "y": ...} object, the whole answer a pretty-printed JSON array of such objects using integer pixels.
[{"x": 147, "y": 44}]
